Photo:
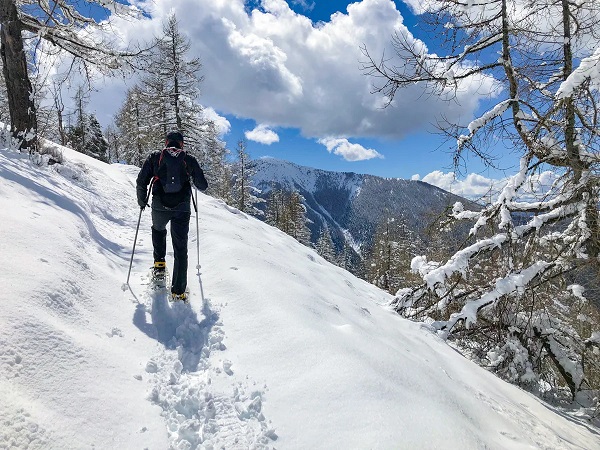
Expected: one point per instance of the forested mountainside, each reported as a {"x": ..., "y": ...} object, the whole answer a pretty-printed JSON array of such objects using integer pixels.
[{"x": 353, "y": 205}]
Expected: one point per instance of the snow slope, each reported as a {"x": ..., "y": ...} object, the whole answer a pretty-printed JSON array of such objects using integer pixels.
[{"x": 278, "y": 349}]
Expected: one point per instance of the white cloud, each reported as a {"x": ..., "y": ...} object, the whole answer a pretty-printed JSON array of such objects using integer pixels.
[
  {"x": 262, "y": 134},
  {"x": 221, "y": 122},
  {"x": 349, "y": 151},
  {"x": 416, "y": 177},
  {"x": 275, "y": 66},
  {"x": 475, "y": 186},
  {"x": 306, "y": 5}
]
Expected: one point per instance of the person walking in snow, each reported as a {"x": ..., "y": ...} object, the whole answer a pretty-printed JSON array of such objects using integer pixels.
[{"x": 169, "y": 172}]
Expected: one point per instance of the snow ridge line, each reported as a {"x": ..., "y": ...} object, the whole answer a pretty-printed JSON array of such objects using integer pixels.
[{"x": 199, "y": 414}]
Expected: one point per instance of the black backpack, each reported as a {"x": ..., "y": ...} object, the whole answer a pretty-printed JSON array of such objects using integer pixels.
[{"x": 172, "y": 170}]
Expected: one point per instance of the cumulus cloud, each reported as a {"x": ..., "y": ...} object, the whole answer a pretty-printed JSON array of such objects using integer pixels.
[
  {"x": 276, "y": 66},
  {"x": 262, "y": 134},
  {"x": 349, "y": 151},
  {"x": 306, "y": 5},
  {"x": 223, "y": 125},
  {"x": 475, "y": 186}
]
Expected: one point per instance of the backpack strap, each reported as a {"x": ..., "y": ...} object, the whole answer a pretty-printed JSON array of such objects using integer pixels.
[{"x": 155, "y": 178}]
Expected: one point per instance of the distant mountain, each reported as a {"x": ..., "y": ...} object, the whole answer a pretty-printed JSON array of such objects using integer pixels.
[{"x": 352, "y": 205}]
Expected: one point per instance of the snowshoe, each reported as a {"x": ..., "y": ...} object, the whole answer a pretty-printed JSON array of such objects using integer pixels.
[{"x": 159, "y": 275}]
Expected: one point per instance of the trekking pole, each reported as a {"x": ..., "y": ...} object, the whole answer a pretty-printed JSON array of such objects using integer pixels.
[
  {"x": 137, "y": 228},
  {"x": 195, "y": 202},
  {"x": 204, "y": 302}
]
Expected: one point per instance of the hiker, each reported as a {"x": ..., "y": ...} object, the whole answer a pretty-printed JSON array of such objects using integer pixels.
[{"x": 170, "y": 172}]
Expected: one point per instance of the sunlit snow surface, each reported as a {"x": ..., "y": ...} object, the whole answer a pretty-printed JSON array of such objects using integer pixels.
[{"x": 284, "y": 351}]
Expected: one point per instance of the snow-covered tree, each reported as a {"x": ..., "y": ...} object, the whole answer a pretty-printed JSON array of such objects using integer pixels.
[
  {"x": 507, "y": 290},
  {"x": 394, "y": 246},
  {"x": 64, "y": 25},
  {"x": 295, "y": 220},
  {"x": 286, "y": 211},
  {"x": 216, "y": 167},
  {"x": 114, "y": 144},
  {"x": 275, "y": 207},
  {"x": 4, "y": 112},
  {"x": 244, "y": 193},
  {"x": 325, "y": 246},
  {"x": 347, "y": 257},
  {"x": 86, "y": 137},
  {"x": 96, "y": 145},
  {"x": 171, "y": 87},
  {"x": 137, "y": 137}
]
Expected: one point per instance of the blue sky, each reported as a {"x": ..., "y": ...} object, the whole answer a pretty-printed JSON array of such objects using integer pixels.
[
  {"x": 417, "y": 153},
  {"x": 286, "y": 75}
]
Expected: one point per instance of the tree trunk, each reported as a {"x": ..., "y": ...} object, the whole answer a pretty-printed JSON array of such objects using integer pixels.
[{"x": 18, "y": 86}]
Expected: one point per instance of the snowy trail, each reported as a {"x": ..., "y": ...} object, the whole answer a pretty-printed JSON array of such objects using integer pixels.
[{"x": 204, "y": 408}]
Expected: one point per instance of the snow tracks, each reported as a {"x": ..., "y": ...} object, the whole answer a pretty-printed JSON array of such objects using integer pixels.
[{"x": 204, "y": 405}]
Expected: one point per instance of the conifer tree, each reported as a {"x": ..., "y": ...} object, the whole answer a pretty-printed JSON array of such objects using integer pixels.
[
  {"x": 394, "y": 246},
  {"x": 137, "y": 136},
  {"x": 217, "y": 170},
  {"x": 244, "y": 193},
  {"x": 114, "y": 144},
  {"x": 86, "y": 137},
  {"x": 325, "y": 246},
  {"x": 275, "y": 208},
  {"x": 171, "y": 88},
  {"x": 295, "y": 220},
  {"x": 96, "y": 145}
]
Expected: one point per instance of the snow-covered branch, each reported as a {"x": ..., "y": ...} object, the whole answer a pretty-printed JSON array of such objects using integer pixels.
[
  {"x": 506, "y": 286},
  {"x": 482, "y": 121},
  {"x": 589, "y": 68}
]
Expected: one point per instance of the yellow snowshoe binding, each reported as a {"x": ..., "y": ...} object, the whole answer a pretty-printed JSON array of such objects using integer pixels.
[
  {"x": 159, "y": 271},
  {"x": 180, "y": 297}
]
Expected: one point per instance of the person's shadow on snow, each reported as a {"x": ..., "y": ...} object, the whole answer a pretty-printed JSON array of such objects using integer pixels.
[{"x": 176, "y": 326}]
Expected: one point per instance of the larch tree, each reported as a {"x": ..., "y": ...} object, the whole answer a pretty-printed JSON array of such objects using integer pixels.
[
  {"x": 136, "y": 136},
  {"x": 216, "y": 167},
  {"x": 244, "y": 192},
  {"x": 515, "y": 291},
  {"x": 295, "y": 219},
  {"x": 325, "y": 246},
  {"x": 172, "y": 85},
  {"x": 394, "y": 246},
  {"x": 62, "y": 25}
]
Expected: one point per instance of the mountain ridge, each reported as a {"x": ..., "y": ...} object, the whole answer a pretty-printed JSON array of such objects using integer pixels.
[{"x": 353, "y": 203}]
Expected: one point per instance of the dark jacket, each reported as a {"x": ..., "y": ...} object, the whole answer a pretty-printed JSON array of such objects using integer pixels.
[{"x": 159, "y": 197}]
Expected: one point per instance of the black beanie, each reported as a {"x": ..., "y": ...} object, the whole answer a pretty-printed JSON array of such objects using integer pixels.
[{"x": 174, "y": 136}]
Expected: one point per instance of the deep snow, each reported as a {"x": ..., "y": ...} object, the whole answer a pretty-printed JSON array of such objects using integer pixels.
[{"x": 284, "y": 351}]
